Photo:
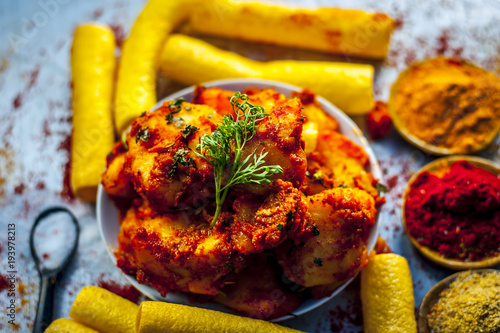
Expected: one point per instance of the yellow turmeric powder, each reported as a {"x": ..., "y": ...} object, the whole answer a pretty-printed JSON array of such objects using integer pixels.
[{"x": 447, "y": 103}]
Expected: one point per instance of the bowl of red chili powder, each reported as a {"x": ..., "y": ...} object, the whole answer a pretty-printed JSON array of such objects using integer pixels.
[{"x": 451, "y": 212}]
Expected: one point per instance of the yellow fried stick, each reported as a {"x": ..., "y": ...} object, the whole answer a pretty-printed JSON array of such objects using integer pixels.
[
  {"x": 387, "y": 295},
  {"x": 157, "y": 317},
  {"x": 104, "y": 311},
  {"x": 192, "y": 61},
  {"x": 333, "y": 30},
  {"x": 92, "y": 70},
  {"x": 135, "y": 90},
  {"x": 65, "y": 325}
]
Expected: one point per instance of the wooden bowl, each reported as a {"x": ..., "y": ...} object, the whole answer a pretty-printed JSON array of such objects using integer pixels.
[
  {"x": 439, "y": 167},
  {"x": 432, "y": 297},
  {"x": 435, "y": 77}
]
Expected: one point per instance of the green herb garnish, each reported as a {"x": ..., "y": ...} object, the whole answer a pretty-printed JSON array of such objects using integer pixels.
[
  {"x": 188, "y": 130},
  {"x": 177, "y": 104},
  {"x": 381, "y": 188},
  {"x": 318, "y": 175},
  {"x": 223, "y": 148},
  {"x": 315, "y": 230},
  {"x": 279, "y": 227},
  {"x": 180, "y": 158},
  {"x": 318, "y": 262},
  {"x": 142, "y": 135},
  {"x": 174, "y": 107}
]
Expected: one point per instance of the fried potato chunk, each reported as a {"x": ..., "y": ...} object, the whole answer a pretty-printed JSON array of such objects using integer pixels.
[
  {"x": 313, "y": 112},
  {"x": 181, "y": 252},
  {"x": 160, "y": 161},
  {"x": 255, "y": 292},
  {"x": 282, "y": 215},
  {"x": 115, "y": 180},
  {"x": 175, "y": 252},
  {"x": 219, "y": 98},
  {"x": 343, "y": 219},
  {"x": 347, "y": 162}
]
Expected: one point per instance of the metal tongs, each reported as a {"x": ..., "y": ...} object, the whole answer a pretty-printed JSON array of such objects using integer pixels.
[{"x": 49, "y": 277}]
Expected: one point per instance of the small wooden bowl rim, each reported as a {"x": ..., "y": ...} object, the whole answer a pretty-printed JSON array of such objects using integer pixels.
[
  {"x": 433, "y": 255},
  {"x": 432, "y": 296},
  {"x": 419, "y": 143}
]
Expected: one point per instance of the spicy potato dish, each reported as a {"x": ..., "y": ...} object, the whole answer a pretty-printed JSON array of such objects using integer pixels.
[{"x": 252, "y": 200}]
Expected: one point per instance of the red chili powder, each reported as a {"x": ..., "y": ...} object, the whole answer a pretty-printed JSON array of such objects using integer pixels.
[
  {"x": 66, "y": 192},
  {"x": 4, "y": 283},
  {"x": 128, "y": 292},
  {"x": 457, "y": 215},
  {"x": 378, "y": 121}
]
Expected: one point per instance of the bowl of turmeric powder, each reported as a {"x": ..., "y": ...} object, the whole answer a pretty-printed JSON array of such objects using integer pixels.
[
  {"x": 446, "y": 106},
  {"x": 451, "y": 212}
]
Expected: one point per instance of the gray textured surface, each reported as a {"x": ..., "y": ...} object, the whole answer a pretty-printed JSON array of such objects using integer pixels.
[{"x": 35, "y": 119}]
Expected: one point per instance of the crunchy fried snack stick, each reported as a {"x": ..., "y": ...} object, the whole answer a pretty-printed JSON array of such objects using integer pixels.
[
  {"x": 104, "y": 311},
  {"x": 192, "y": 61},
  {"x": 157, "y": 317},
  {"x": 92, "y": 71},
  {"x": 135, "y": 90},
  {"x": 333, "y": 30},
  {"x": 64, "y": 325},
  {"x": 387, "y": 295}
]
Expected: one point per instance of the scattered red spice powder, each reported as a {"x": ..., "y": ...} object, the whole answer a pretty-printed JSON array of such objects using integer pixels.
[
  {"x": 443, "y": 44},
  {"x": 66, "y": 192},
  {"x": 19, "y": 189},
  {"x": 398, "y": 23},
  {"x": 128, "y": 292},
  {"x": 119, "y": 34},
  {"x": 392, "y": 181},
  {"x": 457, "y": 214},
  {"x": 40, "y": 185},
  {"x": 4, "y": 283},
  {"x": 97, "y": 13},
  {"x": 18, "y": 101},
  {"x": 378, "y": 121}
]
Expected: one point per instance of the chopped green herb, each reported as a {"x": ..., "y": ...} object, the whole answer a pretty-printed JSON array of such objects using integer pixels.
[
  {"x": 315, "y": 230},
  {"x": 381, "y": 188},
  {"x": 188, "y": 130},
  {"x": 142, "y": 114},
  {"x": 180, "y": 158},
  {"x": 142, "y": 135},
  {"x": 343, "y": 185},
  {"x": 279, "y": 227},
  {"x": 124, "y": 140},
  {"x": 223, "y": 149},
  {"x": 177, "y": 104},
  {"x": 290, "y": 216},
  {"x": 230, "y": 266},
  {"x": 318, "y": 175},
  {"x": 318, "y": 262}
]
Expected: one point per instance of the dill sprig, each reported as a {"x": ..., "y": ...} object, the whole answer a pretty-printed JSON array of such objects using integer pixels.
[{"x": 223, "y": 148}]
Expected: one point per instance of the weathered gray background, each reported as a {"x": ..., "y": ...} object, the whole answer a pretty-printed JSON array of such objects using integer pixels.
[{"x": 35, "y": 121}]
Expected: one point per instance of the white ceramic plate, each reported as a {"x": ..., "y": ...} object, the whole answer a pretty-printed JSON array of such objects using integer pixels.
[{"x": 107, "y": 214}]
